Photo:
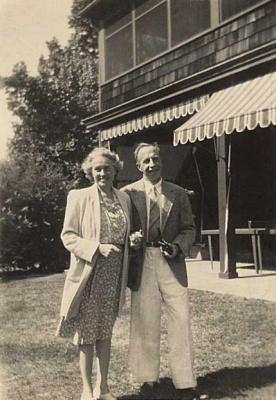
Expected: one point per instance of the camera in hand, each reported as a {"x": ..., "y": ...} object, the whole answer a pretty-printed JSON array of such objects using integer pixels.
[{"x": 166, "y": 246}]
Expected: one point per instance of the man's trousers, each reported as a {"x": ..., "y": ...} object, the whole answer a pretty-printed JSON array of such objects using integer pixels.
[{"x": 160, "y": 285}]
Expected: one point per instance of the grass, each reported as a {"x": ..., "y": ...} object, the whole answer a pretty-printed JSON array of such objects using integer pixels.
[{"x": 234, "y": 340}]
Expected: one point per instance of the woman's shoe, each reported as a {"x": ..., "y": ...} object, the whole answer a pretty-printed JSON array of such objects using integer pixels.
[{"x": 107, "y": 396}]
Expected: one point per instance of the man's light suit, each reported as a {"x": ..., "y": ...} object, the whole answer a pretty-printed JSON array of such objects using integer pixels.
[{"x": 154, "y": 279}]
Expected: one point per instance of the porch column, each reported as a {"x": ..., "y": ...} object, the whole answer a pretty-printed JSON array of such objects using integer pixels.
[{"x": 226, "y": 228}]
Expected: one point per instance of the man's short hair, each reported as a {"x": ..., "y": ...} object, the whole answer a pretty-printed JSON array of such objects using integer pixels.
[{"x": 142, "y": 145}]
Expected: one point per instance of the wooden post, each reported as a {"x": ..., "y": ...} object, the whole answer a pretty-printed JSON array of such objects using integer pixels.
[{"x": 226, "y": 228}]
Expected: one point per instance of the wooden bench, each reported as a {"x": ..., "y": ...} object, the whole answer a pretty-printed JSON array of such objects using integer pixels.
[
  {"x": 256, "y": 229},
  {"x": 209, "y": 233}
]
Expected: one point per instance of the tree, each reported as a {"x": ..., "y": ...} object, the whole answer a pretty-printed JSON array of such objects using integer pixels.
[
  {"x": 31, "y": 216},
  {"x": 50, "y": 106},
  {"x": 48, "y": 146}
]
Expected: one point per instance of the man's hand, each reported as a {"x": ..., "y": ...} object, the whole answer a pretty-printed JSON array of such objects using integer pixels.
[
  {"x": 173, "y": 253},
  {"x": 106, "y": 249}
]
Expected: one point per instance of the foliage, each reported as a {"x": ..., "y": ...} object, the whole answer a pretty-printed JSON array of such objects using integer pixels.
[
  {"x": 31, "y": 216},
  {"x": 49, "y": 144},
  {"x": 50, "y": 107}
]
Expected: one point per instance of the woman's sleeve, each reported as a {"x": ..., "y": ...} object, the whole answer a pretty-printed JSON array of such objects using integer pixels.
[
  {"x": 71, "y": 232},
  {"x": 129, "y": 205}
]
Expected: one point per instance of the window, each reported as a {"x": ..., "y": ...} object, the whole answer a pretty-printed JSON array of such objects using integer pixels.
[
  {"x": 118, "y": 36},
  {"x": 112, "y": 28},
  {"x": 232, "y": 7},
  {"x": 118, "y": 49},
  {"x": 151, "y": 33},
  {"x": 144, "y": 7},
  {"x": 188, "y": 17},
  {"x": 158, "y": 25}
]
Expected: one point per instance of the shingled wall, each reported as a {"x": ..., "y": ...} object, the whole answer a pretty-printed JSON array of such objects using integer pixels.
[{"x": 247, "y": 32}]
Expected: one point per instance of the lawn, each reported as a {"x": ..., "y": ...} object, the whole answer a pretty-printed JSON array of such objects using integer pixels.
[{"x": 234, "y": 340}]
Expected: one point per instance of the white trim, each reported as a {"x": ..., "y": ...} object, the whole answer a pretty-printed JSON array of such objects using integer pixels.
[
  {"x": 154, "y": 118},
  {"x": 237, "y": 108}
]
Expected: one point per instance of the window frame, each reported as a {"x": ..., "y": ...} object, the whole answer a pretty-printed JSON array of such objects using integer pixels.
[
  {"x": 215, "y": 22},
  {"x": 105, "y": 48},
  {"x": 137, "y": 18}
]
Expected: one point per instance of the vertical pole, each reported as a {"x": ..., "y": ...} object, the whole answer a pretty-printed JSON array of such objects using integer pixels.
[
  {"x": 211, "y": 251},
  {"x": 226, "y": 231},
  {"x": 214, "y": 12},
  {"x": 101, "y": 74},
  {"x": 99, "y": 139},
  {"x": 102, "y": 57},
  {"x": 133, "y": 23}
]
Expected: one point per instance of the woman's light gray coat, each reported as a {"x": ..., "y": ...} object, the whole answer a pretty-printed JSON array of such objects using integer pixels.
[{"x": 81, "y": 237}]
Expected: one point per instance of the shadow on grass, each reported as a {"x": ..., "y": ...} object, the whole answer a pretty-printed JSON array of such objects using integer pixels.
[
  {"x": 233, "y": 381},
  {"x": 227, "y": 382},
  {"x": 19, "y": 275}
]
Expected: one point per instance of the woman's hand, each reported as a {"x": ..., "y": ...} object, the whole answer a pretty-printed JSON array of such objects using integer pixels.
[
  {"x": 135, "y": 240},
  {"x": 106, "y": 249},
  {"x": 135, "y": 246}
]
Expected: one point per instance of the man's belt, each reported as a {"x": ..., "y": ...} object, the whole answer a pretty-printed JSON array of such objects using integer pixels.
[
  {"x": 153, "y": 244},
  {"x": 165, "y": 246}
]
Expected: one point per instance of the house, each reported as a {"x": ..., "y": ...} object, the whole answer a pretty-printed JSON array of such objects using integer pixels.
[{"x": 198, "y": 76}]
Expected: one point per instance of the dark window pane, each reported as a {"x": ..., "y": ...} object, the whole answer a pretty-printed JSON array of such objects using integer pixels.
[
  {"x": 118, "y": 24},
  {"x": 189, "y": 17},
  {"x": 152, "y": 33},
  {"x": 231, "y": 7},
  {"x": 146, "y": 6},
  {"x": 118, "y": 52}
]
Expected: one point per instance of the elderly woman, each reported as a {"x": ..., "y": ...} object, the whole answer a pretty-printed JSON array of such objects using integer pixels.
[{"x": 95, "y": 231}]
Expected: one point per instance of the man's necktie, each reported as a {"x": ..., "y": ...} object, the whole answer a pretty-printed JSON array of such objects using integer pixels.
[{"x": 154, "y": 218}]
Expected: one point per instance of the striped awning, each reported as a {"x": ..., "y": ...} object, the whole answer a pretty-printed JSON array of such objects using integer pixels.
[
  {"x": 237, "y": 108},
  {"x": 155, "y": 118}
]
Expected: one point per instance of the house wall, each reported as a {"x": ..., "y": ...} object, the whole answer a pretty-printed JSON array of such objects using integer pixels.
[
  {"x": 247, "y": 33},
  {"x": 248, "y": 37}
]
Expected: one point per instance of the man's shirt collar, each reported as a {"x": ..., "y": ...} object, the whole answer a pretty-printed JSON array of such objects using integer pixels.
[{"x": 149, "y": 186}]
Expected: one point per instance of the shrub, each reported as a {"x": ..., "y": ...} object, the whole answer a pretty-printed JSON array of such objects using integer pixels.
[{"x": 32, "y": 208}]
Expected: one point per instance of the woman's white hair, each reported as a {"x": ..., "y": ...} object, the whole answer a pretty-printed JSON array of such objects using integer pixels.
[{"x": 104, "y": 152}]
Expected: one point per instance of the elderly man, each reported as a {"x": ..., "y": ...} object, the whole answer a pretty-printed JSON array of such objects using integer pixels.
[{"x": 161, "y": 210}]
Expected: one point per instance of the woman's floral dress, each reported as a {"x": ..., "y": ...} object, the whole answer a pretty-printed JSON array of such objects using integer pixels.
[{"x": 99, "y": 306}]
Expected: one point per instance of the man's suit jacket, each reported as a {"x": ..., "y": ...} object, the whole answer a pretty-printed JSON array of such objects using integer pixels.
[
  {"x": 81, "y": 237},
  {"x": 177, "y": 227}
]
